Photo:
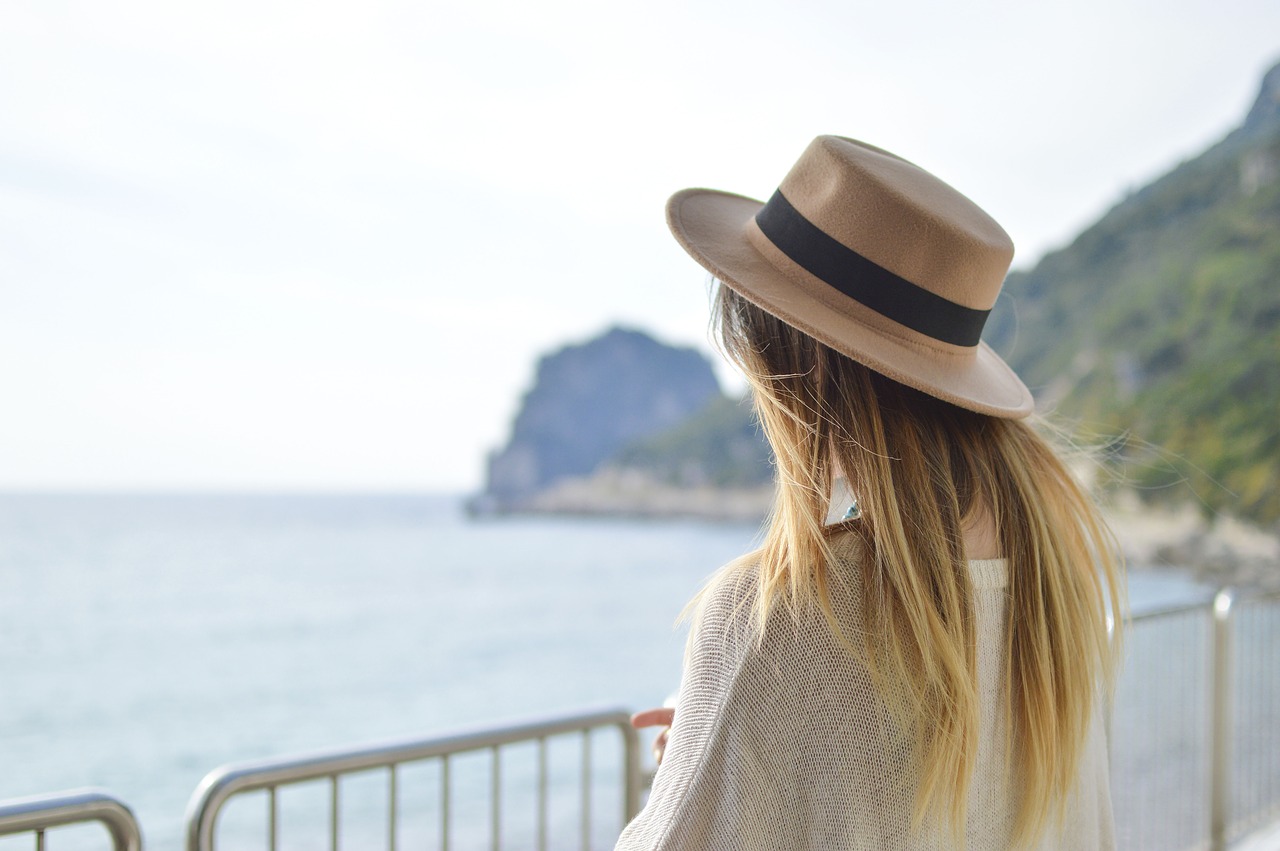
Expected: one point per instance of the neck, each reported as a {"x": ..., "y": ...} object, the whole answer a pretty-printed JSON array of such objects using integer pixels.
[{"x": 978, "y": 529}]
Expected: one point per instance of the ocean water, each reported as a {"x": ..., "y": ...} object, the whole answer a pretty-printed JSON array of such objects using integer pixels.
[{"x": 146, "y": 639}]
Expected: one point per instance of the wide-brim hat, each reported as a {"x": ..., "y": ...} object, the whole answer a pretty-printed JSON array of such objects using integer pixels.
[{"x": 873, "y": 256}]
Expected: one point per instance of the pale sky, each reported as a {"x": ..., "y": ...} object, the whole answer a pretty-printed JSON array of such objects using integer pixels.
[{"x": 274, "y": 244}]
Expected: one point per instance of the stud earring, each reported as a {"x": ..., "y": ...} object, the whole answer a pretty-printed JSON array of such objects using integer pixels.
[{"x": 853, "y": 513}]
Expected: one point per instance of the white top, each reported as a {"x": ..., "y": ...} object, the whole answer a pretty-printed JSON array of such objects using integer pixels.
[{"x": 786, "y": 745}]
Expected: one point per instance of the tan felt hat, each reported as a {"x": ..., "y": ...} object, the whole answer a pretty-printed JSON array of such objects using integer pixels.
[{"x": 876, "y": 258}]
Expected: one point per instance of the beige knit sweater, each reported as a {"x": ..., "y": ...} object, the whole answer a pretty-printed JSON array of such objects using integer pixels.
[{"x": 785, "y": 744}]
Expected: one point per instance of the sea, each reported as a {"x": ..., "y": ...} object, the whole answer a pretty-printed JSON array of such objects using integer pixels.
[{"x": 146, "y": 639}]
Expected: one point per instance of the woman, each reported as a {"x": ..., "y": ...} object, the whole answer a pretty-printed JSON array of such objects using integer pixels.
[{"x": 932, "y": 671}]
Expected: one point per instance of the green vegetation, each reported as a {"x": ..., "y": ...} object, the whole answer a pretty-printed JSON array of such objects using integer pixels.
[
  {"x": 1162, "y": 323},
  {"x": 721, "y": 445}
]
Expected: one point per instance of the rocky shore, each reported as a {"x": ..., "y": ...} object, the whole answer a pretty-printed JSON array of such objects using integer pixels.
[
  {"x": 617, "y": 492},
  {"x": 1222, "y": 551}
]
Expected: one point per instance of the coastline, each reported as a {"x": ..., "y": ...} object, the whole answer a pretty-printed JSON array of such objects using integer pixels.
[
  {"x": 615, "y": 492},
  {"x": 1221, "y": 551}
]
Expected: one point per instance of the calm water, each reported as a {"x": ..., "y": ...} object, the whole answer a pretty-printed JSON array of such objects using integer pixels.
[{"x": 147, "y": 639}]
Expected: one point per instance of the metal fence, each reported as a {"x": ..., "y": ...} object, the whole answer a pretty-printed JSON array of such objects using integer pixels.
[
  {"x": 473, "y": 802},
  {"x": 44, "y": 813},
  {"x": 1195, "y": 735},
  {"x": 1195, "y": 748}
]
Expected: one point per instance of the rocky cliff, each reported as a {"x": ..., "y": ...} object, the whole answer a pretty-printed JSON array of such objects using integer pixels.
[{"x": 587, "y": 402}]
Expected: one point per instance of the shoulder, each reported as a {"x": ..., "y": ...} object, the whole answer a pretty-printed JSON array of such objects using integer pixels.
[
  {"x": 725, "y": 605},
  {"x": 800, "y": 641}
]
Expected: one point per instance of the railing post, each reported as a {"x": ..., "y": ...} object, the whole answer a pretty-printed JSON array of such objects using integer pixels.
[
  {"x": 631, "y": 782},
  {"x": 1220, "y": 723}
]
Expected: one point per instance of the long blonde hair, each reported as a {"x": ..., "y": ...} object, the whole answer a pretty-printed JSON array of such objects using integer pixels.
[{"x": 921, "y": 468}]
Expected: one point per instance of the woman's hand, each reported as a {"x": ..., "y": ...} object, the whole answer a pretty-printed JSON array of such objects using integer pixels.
[{"x": 661, "y": 716}]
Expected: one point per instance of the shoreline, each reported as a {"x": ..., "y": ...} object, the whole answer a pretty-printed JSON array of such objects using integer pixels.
[{"x": 1224, "y": 551}]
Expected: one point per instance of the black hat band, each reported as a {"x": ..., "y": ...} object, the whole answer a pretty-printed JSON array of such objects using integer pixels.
[{"x": 865, "y": 281}]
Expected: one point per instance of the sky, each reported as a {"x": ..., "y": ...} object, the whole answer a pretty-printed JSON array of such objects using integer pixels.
[{"x": 308, "y": 246}]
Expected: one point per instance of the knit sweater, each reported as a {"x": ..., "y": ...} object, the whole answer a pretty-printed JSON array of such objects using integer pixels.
[{"x": 785, "y": 744}]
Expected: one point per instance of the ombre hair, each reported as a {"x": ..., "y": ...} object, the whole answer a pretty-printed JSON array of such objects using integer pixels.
[{"x": 921, "y": 469}]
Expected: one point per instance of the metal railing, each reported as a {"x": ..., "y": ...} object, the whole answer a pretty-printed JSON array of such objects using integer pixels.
[
  {"x": 1195, "y": 743},
  {"x": 1195, "y": 734},
  {"x": 39, "y": 814},
  {"x": 271, "y": 776}
]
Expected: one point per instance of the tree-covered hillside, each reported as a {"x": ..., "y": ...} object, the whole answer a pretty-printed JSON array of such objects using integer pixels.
[{"x": 1162, "y": 323}]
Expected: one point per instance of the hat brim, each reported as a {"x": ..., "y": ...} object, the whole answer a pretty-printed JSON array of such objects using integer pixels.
[{"x": 712, "y": 227}]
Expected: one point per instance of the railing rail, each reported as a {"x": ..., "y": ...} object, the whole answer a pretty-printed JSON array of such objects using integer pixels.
[
  {"x": 40, "y": 813},
  {"x": 220, "y": 785}
]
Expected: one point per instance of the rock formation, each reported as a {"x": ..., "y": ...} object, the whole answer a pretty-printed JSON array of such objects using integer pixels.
[{"x": 586, "y": 403}]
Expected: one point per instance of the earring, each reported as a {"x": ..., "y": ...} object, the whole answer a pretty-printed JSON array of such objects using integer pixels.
[{"x": 853, "y": 513}]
